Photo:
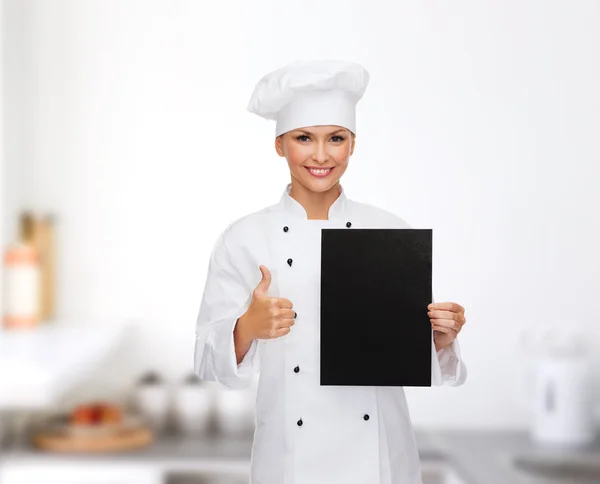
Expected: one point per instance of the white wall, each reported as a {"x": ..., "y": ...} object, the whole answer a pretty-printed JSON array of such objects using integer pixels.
[{"x": 128, "y": 119}]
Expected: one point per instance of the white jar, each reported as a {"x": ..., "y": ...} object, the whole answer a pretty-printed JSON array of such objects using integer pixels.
[
  {"x": 153, "y": 400},
  {"x": 193, "y": 405},
  {"x": 235, "y": 410}
]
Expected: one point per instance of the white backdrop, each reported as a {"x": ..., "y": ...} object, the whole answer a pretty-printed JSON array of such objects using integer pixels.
[{"x": 127, "y": 119}]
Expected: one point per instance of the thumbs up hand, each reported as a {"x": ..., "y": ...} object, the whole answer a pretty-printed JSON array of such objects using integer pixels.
[{"x": 267, "y": 317}]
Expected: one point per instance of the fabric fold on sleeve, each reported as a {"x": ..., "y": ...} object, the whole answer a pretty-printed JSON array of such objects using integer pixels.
[
  {"x": 447, "y": 365},
  {"x": 225, "y": 299}
]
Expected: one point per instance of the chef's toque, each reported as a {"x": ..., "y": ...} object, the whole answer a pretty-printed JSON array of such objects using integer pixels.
[{"x": 310, "y": 93}]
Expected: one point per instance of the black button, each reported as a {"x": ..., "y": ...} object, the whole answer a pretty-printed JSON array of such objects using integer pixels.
[
  {"x": 297, "y": 369},
  {"x": 295, "y": 314},
  {"x": 366, "y": 417},
  {"x": 289, "y": 261},
  {"x": 300, "y": 423},
  {"x": 348, "y": 224},
  {"x": 285, "y": 229}
]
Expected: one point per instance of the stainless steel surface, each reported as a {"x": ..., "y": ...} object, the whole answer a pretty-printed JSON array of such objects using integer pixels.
[
  {"x": 439, "y": 472},
  {"x": 195, "y": 478},
  {"x": 510, "y": 457},
  {"x": 434, "y": 472},
  {"x": 575, "y": 467}
]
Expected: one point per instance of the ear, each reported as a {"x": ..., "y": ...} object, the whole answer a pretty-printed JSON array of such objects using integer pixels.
[
  {"x": 279, "y": 145},
  {"x": 353, "y": 142}
]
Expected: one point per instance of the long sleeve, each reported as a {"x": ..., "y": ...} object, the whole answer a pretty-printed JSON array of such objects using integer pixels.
[
  {"x": 225, "y": 299},
  {"x": 447, "y": 365}
]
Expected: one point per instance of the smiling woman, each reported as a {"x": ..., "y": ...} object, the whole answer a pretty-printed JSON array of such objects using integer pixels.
[{"x": 264, "y": 277}]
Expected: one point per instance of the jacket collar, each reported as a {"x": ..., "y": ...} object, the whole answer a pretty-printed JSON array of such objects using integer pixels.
[{"x": 290, "y": 206}]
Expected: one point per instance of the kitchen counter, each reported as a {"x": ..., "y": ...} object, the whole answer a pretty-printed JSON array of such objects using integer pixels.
[
  {"x": 478, "y": 457},
  {"x": 485, "y": 457}
]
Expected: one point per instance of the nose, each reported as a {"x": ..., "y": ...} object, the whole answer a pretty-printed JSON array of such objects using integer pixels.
[{"x": 320, "y": 155}]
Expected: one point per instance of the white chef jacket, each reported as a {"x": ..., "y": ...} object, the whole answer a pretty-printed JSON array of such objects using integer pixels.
[{"x": 305, "y": 433}]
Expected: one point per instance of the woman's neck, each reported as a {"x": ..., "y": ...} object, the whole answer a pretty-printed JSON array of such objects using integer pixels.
[{"x": 316, "y": 204}]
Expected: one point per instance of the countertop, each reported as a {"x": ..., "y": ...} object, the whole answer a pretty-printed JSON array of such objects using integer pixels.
[
  {"x": 485, "y": 457},
  {"x": 478, "y": 457}
]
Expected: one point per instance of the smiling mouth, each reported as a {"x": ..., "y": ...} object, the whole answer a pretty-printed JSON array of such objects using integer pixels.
[{"x": 319, "y": 172}]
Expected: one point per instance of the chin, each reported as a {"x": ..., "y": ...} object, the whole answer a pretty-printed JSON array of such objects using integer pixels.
[{"x": 319, "y": 185}]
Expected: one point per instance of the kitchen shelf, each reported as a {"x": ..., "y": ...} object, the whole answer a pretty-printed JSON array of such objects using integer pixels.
[{"x": 38, "y": 365}]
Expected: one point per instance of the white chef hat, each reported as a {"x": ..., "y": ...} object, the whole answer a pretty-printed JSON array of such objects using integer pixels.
[{"x": 310, "y": 93}]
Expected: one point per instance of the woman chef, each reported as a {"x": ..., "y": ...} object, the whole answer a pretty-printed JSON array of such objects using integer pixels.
[{"x": 260, "y": 307}]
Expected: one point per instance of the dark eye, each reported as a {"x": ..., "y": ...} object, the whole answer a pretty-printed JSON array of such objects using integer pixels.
[
  {"x": 301, "y": 136},
  {"x": 341, "y": 138}
]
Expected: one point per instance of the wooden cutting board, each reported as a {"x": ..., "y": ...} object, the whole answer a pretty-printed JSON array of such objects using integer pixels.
[{"x": 117, "y": 440}]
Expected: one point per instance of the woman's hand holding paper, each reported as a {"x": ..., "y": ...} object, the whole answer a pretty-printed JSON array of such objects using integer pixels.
[{"x": 447, "y": 319}]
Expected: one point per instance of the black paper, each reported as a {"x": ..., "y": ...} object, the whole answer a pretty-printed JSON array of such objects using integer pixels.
[{"x": 376, "y": 285}]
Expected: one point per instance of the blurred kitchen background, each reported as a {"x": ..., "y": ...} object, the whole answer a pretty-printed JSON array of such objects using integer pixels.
[{"x": 126, "y": 149}]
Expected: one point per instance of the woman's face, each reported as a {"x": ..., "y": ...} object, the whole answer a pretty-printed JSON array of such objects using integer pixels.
[{"x": 325, "y": 148}]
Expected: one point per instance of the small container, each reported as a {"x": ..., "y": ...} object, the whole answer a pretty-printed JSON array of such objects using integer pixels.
[
  {"x": 193, "y": 404},
  {"x": 153, "y": 400},
  {"x": 22, "y": 279},
  {"x": 235, "y": 410}
]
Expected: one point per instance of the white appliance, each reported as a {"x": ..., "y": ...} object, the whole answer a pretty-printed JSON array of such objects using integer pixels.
[
  {"x": 561, "y": 401},
  {"x": 559, "y": 384}
]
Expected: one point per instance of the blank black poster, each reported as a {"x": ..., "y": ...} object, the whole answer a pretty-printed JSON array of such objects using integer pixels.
[{"x": 375, "y": 288}]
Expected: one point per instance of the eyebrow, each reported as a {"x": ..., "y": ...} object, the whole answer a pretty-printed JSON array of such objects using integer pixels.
[{"x": 308, "y": 132}]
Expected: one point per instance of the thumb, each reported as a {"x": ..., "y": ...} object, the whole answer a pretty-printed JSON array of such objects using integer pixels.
[{"x": 265, "y": 282}]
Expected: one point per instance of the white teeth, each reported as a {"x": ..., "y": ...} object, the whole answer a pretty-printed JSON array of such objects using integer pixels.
[{"x": 320, "y": 171}]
